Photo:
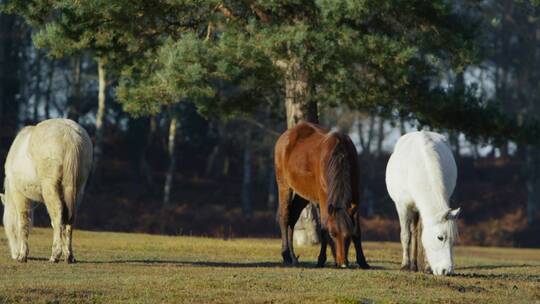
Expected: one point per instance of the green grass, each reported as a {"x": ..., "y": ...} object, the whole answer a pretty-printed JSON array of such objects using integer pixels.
[{"x": 139, "y": 268}]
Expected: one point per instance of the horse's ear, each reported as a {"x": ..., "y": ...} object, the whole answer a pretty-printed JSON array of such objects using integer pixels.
[
  {"x": 2, "y": 197},
  {"x": 452, "y": 214}
]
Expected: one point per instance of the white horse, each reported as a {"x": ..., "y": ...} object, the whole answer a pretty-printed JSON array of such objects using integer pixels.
[
  {"x": 420, "y": 178},
  {"x": 49, "y": 163}
]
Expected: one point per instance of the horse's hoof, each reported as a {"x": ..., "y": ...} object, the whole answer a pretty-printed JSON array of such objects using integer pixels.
[
  {"x": 428, "y": 270},
  {"x": 71, "y": 260},
  {"x": 286, "y": 258},
  {"x": 405, "y": 267},
  {"x": 54, "y": 260},
  {"x": 21, "y": 259},
  {"x": 294, "y": 260},
  {"x": 364, "y": 265},
  {"x": 414, "y": 267},
  {"x": 343, "y": 266}
]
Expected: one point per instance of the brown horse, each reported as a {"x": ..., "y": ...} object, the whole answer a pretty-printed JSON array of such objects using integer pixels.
[{"x": 315, "y": 165}]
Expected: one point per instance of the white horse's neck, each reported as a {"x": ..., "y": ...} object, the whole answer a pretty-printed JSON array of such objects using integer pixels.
[{"x": 434, "y": 182}]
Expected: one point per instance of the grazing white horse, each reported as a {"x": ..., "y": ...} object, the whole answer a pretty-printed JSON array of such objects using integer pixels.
[
  {"x": 49, "y": 163},
  {"x": 420, "y": 178}
]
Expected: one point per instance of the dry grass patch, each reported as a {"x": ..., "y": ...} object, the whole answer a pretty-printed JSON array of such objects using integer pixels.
[{"x": 139, "y": 268}]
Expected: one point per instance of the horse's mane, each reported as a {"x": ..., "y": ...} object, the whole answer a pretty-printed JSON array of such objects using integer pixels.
[
  {"x": 340, "y": 171},
  {"x": 434, "y": 158},
  {"x": 452, "y": 229}
]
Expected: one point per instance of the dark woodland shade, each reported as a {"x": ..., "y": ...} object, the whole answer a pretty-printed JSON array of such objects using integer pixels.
[{"x": 387, "y": 57}]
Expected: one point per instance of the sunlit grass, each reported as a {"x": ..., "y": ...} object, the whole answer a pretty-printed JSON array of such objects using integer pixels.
[{"x": 139, "y": 268}]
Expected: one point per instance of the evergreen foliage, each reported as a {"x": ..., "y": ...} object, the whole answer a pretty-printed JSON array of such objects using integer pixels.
[{"x": 230, "y": 56}]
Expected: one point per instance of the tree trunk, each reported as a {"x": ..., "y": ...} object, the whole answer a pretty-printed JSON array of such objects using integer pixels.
[
  {"x": 402, "y": 129},
  {"x": 75, "y": 99},
  {"x": 10, "y": 63},
  {"x": 300, "y": 107},
  {"x": 48, "y": 92},
  {"x": 298, "y": 103},
  {"x": 169, "y": 177},
  {"x": 145, "y": 167},
  {"x": 272, "y": 188},
  {"x": 211, "y": 160},
  {"x": 380, "y": 136},
  {"x": 533, "y": 183},
  {"x": 37, "y": 86},
  {"x": 246, "y": 179},
  {"x": 453, "y": 138},
  {"x": 100, "y": 116},
  {"x": 171, "y": 149}
]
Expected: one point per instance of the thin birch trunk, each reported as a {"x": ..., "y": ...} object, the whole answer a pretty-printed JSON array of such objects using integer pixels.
[
  {"x": 246, "y": 179},
  {"x": 37, "y": 87},
  {"x": 48, "y": 92},
  {"x": 100, "y": 116},
  {"x": 171, "y": 149}
]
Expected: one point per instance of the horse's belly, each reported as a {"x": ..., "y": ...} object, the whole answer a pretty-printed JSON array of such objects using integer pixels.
[{"x": 305, "y": 188}]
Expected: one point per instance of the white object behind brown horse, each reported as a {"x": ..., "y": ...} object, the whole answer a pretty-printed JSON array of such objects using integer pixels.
[
  {"x": 420, "y": 178},
  {"x": 49, "y": 163}
]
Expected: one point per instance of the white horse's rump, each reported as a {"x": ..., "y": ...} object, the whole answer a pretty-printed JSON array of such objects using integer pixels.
[
  {"x": 49, "y": 163},
  {"x": 420, "y": 178}
]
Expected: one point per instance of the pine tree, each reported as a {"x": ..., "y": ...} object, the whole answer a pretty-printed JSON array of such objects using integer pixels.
[{"x": 228, "y": 56}]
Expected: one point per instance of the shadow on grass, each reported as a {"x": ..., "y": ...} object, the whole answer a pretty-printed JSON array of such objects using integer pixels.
[
  {"x": 499, "y": 276},
  {"x": 309, "y": 265},
  {"x": 37, "y": 259},
  {"x": 489, "y": 267},
  {"x": 199, "y": 263}
]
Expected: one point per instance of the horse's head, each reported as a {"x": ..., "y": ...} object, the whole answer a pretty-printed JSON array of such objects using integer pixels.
[
  {"x": 438, "y": 238},
  {"x": 340, "y": 228}
]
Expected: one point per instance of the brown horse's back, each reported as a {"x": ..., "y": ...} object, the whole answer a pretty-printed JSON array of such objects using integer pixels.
[{"x": 301, "y": 155}]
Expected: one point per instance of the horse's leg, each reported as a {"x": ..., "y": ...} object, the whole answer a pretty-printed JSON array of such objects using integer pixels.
[
  {"x": 11, "y": 227},
  {"x": 54, "y": 205},
  {"x": 357, "y": 240},
  {"x": 295, "y": 209},
  {"x": 405, "y": 224},
  {"x": 284, "y": 194},
  {"x": 427, "y": 268},
  {"x": 422, "y": 252},
  {"x": 414, "y": 241},
  {"x": 324, "y": 243},
  {"x": 23, "y": 206},
  {"x": 347, "y": 245},
  {"x": 332, "y": 249},
  {"x": 67, "y": 249}
]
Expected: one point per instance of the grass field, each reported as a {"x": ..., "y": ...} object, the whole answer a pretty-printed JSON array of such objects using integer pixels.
[{"x": 139, "y": 268}]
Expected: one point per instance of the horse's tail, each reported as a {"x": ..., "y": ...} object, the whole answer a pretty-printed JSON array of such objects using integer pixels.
[
  {"x": 71, "y": 175},
  {"x": 339, "y": 175}
]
